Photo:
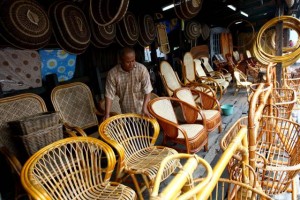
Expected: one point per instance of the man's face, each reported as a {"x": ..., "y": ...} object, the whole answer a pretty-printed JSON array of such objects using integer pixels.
[{"x": 128, "y": 61}]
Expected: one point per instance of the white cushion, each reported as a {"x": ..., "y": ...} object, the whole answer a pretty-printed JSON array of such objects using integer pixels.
[
  {"x": 208, "y": 114},
  {"x": 191, "y": 130}
]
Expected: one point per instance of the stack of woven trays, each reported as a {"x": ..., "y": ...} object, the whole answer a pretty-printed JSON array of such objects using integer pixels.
[{"x": 37, "y": 131}]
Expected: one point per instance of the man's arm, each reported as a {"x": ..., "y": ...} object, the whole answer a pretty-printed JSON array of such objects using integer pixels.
[
  {"x": 108, "y": 103},
  {"x": 145, "y": 103}
]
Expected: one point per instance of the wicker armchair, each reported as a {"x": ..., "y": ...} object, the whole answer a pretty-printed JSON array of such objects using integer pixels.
[
  {"x": 76, "y": 106},
  {"x": 11, "y": 109},
  {"x": 241, "y": 81},
  {"x": 192, "y": 136},
  {"x": 212, "y": 73},
  {"x": 134, "y": 136},
  {"x": 209, "y": 106},
  {"x": 218, "y": 83},
  {"x": 73, "y": 168}
]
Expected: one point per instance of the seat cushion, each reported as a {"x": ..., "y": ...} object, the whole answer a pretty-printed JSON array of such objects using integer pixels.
[
  {"x": 246, "y": 83},
  {"x": 209, "y": 114},
  {"x": 191, "y": 129}
]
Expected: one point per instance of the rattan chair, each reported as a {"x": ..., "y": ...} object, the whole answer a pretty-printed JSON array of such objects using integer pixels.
[
  {"x": 189, "y": 134},
  {"x": 241, "y": 81},
  {"x": 213, "y": 73},
  {"x": 134, "y": 137},
  {"x": 218, "y": 83},
  {"x": 73, "y": 168},
  {"x": 171, "y": 81},
  {"x": 11, "y": 109},
  {"x": 208, "y": 105},
  {"x": 75, "y": 104}
]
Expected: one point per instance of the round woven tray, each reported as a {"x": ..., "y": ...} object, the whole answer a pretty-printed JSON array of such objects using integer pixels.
[
  {"x": 106, "y": 12},
  {"x": 71, "y": 29},
  {"x": 24, "y": 24},
  {"x": 128, "y": 30},
  {"x": 187, "y": 9},
  {"x": 205, "y": 31},
  {"x": 102, "y": 36},
  {"x": 147, "y": 30},
  {"x": 192, "y": 30}
]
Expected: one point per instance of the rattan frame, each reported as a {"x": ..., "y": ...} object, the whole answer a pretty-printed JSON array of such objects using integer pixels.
[
  {"x": 134, "y": 136},
  {"x": 72, "y": 168},
  {"x": 241, "y": 81},
  {"x": 73, "y": 118},
  {"x": 171, "y": 129}
]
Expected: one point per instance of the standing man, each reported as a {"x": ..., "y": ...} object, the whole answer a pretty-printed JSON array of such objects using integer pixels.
[{"x": 130, "y": 81}]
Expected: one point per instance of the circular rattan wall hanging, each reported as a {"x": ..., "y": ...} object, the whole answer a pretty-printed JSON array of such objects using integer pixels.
[
  {"x": 187, "y": 9},
  {"x": 105, "y": 12},
  {"x": 24, "y": 24},
  {"x": 205, "y": 31},
  {"x": 147, "y": 30},
  {"x": 71, "y": 29},
  {"x": 128, "y": 30},
  {"x": 192, "y": 30}
]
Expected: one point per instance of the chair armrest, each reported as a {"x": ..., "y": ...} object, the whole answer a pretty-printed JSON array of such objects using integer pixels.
[
  {"x": 207, "y": 102},
  {"x": 74, "y": 131},
  {"x": 12, "y": 160}
]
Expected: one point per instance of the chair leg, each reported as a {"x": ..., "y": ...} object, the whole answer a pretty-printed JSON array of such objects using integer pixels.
[
  {"x": 137, "y": 187},
  {"x": 294, "y": 189},
  {"x": 236, "y": 91},
  {"x": 220, "y": 128},
  {"x": 206, "y": 147}
]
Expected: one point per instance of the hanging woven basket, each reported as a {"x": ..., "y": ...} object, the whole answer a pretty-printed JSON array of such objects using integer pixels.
[
  {"x": 192, "y": 30},
  {"x": 187, "y": 9},
  {"x": 106, "y": 12},
  {"x": 128, "y": 30},
  {"x": 24, "y": 24},
  {"x": 147, "y": 30},
  {"x": 71, "y": 29}
]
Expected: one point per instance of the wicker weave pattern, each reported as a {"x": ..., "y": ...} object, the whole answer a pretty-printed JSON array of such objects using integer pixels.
[
  {"x": 170, "y": 77},
  {"x": 134, "y": 137},
  {"x": 75, "y": 103},
  {"x": 73, "y": 168},
  {"x": 284, "y": 100},
  {"x": 164, "y": 109},
  {"x": 13, "y": 108}
]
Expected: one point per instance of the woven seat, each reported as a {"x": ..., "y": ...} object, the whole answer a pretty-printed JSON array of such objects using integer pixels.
[
  {"x": 241, "y": 81},
  {"x": 192, "y": 136},
  {"x": 76, "y": 106},
  {"x": 11, "y": 109},
  {"x": 213, "y": 73},
  {"x": 73, "y": 168},
  {"x": 134, "y": 136},
  {"x": 210, "y": 107}
]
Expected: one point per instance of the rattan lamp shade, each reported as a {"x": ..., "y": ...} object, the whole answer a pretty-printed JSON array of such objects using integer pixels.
[
  {"x": 71, "y": 29},
  {"x": 24, "y": 24}
]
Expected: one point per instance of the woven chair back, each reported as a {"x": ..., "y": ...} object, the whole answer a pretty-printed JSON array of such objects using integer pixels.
[
  {"x": 206, "y": 64},
  {"x": 198, "y": 68},
  {"x": 169, "y": 77},
  {"x": 237, "y": 77},
  {"x": 278, "y": 143},
  {"x": 14, "y": 108},
  {"x": 189, "y": 69},
  {"x": 69, "y": 169},
  {"x": 248, "y": 54},
  {"x": 75, "y": 104},
  {"x": 186, "y": 95},
  {"x": 131, "y": 131},
  {"x": 164, "y": 109}
]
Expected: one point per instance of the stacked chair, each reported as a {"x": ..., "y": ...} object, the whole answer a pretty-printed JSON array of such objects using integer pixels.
[
  {"x": 241, "y": 81},
  {"x": 212, "y": 73}
]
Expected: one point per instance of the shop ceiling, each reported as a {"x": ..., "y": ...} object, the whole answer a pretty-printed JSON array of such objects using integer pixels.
[{"x": 217, "y": 12}]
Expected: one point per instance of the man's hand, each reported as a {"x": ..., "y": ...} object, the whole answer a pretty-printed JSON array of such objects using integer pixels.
[
  {"x": 106, "y": 116},
  {"x": 146, "y": 113}
]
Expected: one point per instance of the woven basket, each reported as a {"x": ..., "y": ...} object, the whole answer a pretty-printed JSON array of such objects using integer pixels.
[
  {"x": 34, "y": 123},
  {"x": 24, "y": 24},
  {"x": 128, "y": 30},
  {"x": 187, "y": 9},
  {"x": 147, "y": 30},
  {"x": 192, "y": 30},
  {"x": 106, "y": 12},
  {"x": 71, "y": 28},
  {"x": 39, "y": 139},
  {"x": 102, "y": 36}
]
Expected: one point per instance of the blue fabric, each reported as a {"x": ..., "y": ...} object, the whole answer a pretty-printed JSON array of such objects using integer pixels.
[{"x": 58, "y": 62}]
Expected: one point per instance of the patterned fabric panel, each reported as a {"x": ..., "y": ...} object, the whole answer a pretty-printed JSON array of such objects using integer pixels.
[
  {"x": 58, "y": 62},
  {"x": 19, "y": 69}
]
